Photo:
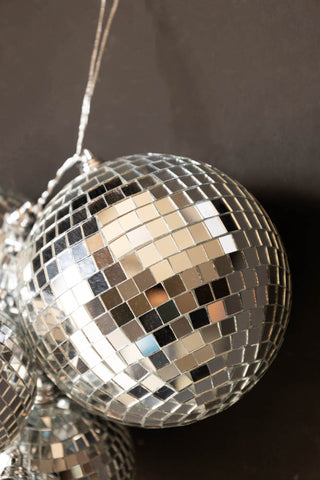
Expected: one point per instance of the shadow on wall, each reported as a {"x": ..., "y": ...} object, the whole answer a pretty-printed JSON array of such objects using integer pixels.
[
  {"x": 190, "y": 122},
  {"x": 296, "y": 220},
  {"x": 273, "y": 432}
]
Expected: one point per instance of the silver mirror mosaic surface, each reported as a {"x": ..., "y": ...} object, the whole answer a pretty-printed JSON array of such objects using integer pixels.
[
  {"x": 155, "y": 290},
  {"x": 62, "y": 439},
  {"x": 17, "y": 382},
  {"x": 10, "y": 241}
]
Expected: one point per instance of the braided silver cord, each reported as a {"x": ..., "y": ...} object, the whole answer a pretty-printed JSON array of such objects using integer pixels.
[{"x": 67, "y": 165}]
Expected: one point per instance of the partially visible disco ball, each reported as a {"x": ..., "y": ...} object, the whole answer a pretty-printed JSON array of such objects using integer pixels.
[
  {"x": 9, "y": 201},
  {"x": 12, "y": 473},
  {"x": 155, "y": 290},
  {"x": 11, "y": 240},
  {"x": 17, "y": 382},
  {"x": 15, "y": 472},
  {"x": 11, "y": 467},
  {"x": 61, "y": 438}
]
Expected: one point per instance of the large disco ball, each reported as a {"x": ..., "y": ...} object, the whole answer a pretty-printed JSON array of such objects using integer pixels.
[
  {"x": 17, "y": 382},
  {"x": 155, "y": 290}
]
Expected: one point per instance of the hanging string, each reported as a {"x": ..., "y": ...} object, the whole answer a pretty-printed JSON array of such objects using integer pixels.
[{"x": 95, "y": 64}]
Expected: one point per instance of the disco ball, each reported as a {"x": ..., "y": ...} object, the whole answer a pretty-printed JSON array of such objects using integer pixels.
[
  {"x": 17, "y": 382},
  {"x": 155, "y": 290},
  {"x": 15, "y": 472},
  {"x": 9, "y": 201},
  {"x": 62, "y": 439},
  {"x": 11, "y": 240},
  {"x": 11, "y": 467},
  {"x": 11, "y": 473}
]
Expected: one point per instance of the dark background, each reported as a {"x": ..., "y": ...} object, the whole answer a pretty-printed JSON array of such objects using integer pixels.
[{"x": 235, "y": 83}]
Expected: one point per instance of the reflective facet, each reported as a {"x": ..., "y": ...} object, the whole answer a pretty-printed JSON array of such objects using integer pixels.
[
  {"x": 155, "y": 289},
  {"x": 17, "y": 382}
]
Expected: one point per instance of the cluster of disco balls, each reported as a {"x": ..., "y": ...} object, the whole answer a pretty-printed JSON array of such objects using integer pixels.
[
  {"x": 151, "y": 291},
  {"x": 43, "y": 434}
]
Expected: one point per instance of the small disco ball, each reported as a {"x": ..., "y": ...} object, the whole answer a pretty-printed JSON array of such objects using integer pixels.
[
  {"x": 11, "y": 473},
  {"x": 15, "y": 472},
  {"x": 155, "y": 290},
  {"x": 11, "y": 467},
  {"x": 64, "y": 440},
  {"x": 17, "y": 382},
  {"x": 11, "y": 240},
  {"x": 9, "y": 201}
]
